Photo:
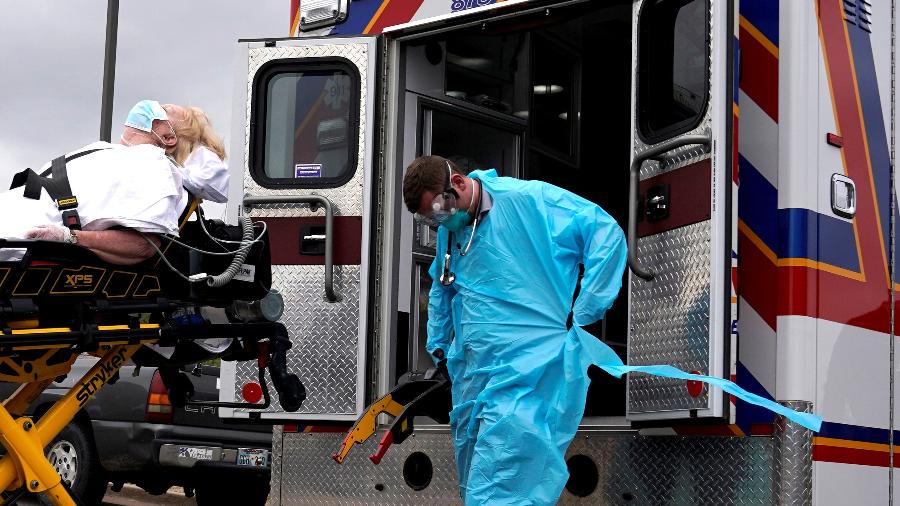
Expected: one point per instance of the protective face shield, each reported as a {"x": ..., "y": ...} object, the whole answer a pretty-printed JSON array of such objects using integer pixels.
[{"x": 443, "y": 206}]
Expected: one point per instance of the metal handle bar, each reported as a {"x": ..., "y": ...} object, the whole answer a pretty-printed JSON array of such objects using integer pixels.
[
  {"x": 636, "y": 163},
  {"x": 329, "y": 235}
]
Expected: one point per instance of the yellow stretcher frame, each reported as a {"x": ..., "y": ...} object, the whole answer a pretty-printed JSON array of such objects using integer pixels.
[
  {"x": 25, "y": 466},
  {"x": 419, "y": 393}
]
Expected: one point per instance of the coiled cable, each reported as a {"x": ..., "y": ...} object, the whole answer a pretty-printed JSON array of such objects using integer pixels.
[{"x": 246, "y": 241}]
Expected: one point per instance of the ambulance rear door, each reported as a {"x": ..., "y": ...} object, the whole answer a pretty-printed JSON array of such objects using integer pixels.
[
  {"x": 680, "y": 223},
  {"x": 306, "y": 145}
]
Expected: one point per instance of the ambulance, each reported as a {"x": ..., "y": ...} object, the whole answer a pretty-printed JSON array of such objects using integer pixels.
[{"x": 745, "y": 146}]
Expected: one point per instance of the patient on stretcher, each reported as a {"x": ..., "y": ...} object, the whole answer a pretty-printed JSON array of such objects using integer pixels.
[
  {"x": 119, "y": 286},
  {"x": 128, "y": 189},
  {"x": 129, "y": 193}
]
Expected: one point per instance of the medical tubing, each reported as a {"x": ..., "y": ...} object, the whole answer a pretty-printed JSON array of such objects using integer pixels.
[
  {"x": 225, "y": 241},
  {"x": 239, "y": 257},
  {"x": 244, "y": 245},
  {"x": 165, "y": 260}
]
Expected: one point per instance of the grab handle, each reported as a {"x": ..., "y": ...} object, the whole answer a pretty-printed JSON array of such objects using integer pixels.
[
  {"x": 638, "y": 161},
  {"x": 313, "y": 200}
]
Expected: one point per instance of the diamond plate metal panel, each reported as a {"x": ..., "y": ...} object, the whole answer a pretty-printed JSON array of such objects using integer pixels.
[
  {"x": 630, "y": 469},
  {"x": 324, "y": 335},
  {"x": 347, "y": 199},
  {"x": 277, "y": 457},
  {"x": 793, "y": 459},
  {"x": 670, "y": 317},
  {"x": 310, "y": 476},
  {"x": 677, "y": 470},
  {"x": 675, "y": 159}
]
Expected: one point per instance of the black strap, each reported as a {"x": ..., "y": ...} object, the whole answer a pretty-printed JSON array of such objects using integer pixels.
[
  {"x": 22, "y": 178},
  {"x": 57, "y": 186},
  {"x": 59, "y": 190},
  {"x": 31, "y": 181},
  {"x": 72, "y": 157}
]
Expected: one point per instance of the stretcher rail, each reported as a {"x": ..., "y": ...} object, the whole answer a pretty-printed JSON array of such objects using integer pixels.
[{"x": 103, "y": 334}]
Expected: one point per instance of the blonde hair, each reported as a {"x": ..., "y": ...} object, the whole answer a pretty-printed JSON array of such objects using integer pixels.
[{"x": 194, "y": 131}]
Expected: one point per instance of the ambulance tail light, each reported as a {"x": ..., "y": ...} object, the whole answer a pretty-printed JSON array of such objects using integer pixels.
[{"x": 159, "y": 408}]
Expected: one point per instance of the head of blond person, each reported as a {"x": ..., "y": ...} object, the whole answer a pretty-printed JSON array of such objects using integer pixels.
[{"x": 194, "y": 130}]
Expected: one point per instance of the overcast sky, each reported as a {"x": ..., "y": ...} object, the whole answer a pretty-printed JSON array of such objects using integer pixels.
[{"x": 175, "y": 51}]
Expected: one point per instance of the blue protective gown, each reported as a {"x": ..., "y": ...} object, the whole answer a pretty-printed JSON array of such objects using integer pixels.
[{"x": 519, "y": 376}]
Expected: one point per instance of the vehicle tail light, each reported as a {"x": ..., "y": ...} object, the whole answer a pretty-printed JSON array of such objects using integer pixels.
[{"x": 159, "y": 409}]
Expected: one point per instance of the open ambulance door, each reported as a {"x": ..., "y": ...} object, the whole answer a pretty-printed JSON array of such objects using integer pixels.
[
  {"x": 306, "y": 144},
  {"x": 680, "y": 208}
]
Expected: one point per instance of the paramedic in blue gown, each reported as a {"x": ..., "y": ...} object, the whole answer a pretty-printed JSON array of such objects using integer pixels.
[{"x": 499, "y": 313}]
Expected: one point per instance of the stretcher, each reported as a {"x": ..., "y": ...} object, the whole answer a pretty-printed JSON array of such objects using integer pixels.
[
  {"x": 60, "y": 301},
  {"x": 419, "y": 393}
]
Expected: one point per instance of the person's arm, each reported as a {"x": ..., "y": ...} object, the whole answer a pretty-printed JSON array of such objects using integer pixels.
[
  {"x": 205, "y": 175},
  {"x": 598, "y": 241},
  {"x": 440, "y": 320},
  {"x": 122, "y": 247}
]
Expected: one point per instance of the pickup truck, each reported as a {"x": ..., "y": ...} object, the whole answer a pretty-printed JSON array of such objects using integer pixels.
[{"x": 131, "y": 432}]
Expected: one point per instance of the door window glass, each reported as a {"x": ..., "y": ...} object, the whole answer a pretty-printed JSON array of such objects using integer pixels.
[
  {"x": 472, "y": 144},
  {"x": 306, "y": 127},
  {"x": 673, "y": 78},
  {"x": 421, "y": 359},
  {"x": 489, "y": 71},
  {"x": 554, "y": 112}
]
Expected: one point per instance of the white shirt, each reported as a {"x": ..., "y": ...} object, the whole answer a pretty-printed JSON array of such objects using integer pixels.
[
  {"x": 205, "y": 175},
  {"x": 135, "y": 187}
]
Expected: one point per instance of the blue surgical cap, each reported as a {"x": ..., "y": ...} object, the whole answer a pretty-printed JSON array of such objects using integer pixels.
[{"x": 143, "y": 113}]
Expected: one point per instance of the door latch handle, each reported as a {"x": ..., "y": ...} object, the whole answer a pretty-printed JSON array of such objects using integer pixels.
[
  {"x": 312, "y": 240},
  {"x": 657, "y": 203}
]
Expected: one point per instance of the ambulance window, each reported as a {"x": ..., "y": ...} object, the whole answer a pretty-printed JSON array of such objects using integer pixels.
[
  {"x": 673, "y": 78},
  {"x": 304, "y": 127}
]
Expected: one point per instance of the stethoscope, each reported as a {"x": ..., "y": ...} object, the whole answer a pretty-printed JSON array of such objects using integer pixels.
[{"x": 448, "y": 277}]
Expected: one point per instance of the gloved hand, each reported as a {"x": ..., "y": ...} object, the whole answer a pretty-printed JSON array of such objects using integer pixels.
[
  {"x": 441, "y": 366},
  {"x": 50, "y": 233}
]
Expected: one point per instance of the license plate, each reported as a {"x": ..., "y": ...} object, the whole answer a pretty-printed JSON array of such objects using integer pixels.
[
  {"x": 253, "y": 457},
  {"x": 195, "y": 453}
]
